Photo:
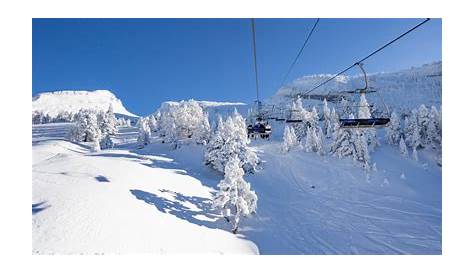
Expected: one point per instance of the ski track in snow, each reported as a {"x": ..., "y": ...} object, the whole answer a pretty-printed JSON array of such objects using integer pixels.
[{"x": 128, "y": 200}]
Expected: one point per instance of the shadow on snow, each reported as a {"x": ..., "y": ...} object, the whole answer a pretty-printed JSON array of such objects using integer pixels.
[
  {"x": 38, "y": 207},
  {"x": 203, "y": 214}
]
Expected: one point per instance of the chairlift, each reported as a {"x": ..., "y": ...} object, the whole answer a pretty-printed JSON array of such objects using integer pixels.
[
  {"x": 368, "y": 122},
  {"x": 260, "y": 127}
]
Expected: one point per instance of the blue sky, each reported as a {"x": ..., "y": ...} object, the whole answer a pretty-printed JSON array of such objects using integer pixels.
[{"x": 148, "y": 61}]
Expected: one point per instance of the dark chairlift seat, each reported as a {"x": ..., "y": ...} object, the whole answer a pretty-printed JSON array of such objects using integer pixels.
[
  {"x": 294, "y": 120},
  {"x": 363, "y": 123}
]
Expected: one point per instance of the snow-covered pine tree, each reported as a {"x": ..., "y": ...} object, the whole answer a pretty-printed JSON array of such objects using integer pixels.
[
  {"x": 182, "y": 120},
  {"x": 393, "y": 131},
  {"x": 298, "y": 112},
  {"x": 343, "y": 142},
  {"x": 434, "y": 129},
  {"x": 144, "y": 133},
  {"x": 290, "y": 140},
  {"x": 314, "y": 117},
  {"x": 364, "y": 113},
  {"x": 423, "y": 122},
  {"x": 403, "y": 147},
  {"x": 108, "y": 123},
  {"x": 128, "y": 123},
  {"x": 86, "y": 128},
  {"x": 326, "y": 118},
  {"x": 37, "y": 117},
  {"x": 314, "y": 140},
  {"x": 229, "y": 139},
  {"x": 361, "y": 149},
  {"x": 202, "y": 134},
  {"x": 334, "y": 123},
  {"x": 95, "y": 146},
  {"x": 345, "y": 108},
  {"x": 412, "y": 131},
  {"x": 153, "y": 123},
  {"x": 415, "y": 154},
  {"x": 235, "y": 197},
  {"x": 106, "y": 142},
  {"x": 121, "y": 122}
]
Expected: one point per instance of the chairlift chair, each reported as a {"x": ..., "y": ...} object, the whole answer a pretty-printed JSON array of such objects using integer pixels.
[{"x": 368, "y": 122}]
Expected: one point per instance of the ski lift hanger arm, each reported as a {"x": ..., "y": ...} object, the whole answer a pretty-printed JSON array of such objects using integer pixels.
[{"x": 368, "y": 56}]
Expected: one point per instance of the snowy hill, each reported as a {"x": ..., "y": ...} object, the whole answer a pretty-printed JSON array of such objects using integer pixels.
[
  {"x": 402, "y": 90},
  {"x": 55, "y": 102}
]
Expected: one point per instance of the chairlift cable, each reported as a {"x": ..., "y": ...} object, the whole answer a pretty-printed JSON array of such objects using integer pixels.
[
  {"x": 299, "y": 52},
  {"x": 367, "y": 57},
  {"x": 255, "y": 57}
]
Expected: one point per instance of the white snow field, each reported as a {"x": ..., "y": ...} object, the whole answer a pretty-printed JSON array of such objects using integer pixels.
[
  {"x": 119, "y": 201},
  {"x": 54, "y": 102},
  {"x": 157, "y": 200}
]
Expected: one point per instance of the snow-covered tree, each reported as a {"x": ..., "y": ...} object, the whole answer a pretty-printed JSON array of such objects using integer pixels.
[
  {"x": 230, "y": 139},
  {"x": 108, "y": 122},
  {"x": 326, "y": 118},
  {"x": 415, "y": 154},
  {"x": 314, "y": 140},
  {"x": 128, "y": 123},
  {"x": 364, "y": 113},
  {"x": 334, "y": 125},
  {"x": 183, "y": 120},
  {"x": 403, "y": 147},
  {"x": 121, "y": 122},
  {"x": 345, "y": 108},
  {"x": 95, "y": 147},
  {"x": 361, "y": 149},
  {"x": 351, "y": 143},
  {"x": 290, "y": 140},
  {"x": 153, "y": 123},
  {"x": 144, "y": 133},
  {"x": 364, "y": 108},
  {"x": 298, "y": 112},
  {"x": 106, "y": 142},
  {"x": 343, "y": 143},
  {"x": 235, "y": 197},
  {"x": 434, "y": 129},
  {"x": 314, "y": 116},
  {"x": 412, "y": 130},
  {"x": 393, "y": 131},
  {"x": 202, "y": 134},
  {"x": 423, "y": 122},
  {"x": 37, "y": 117},
  {"x": 86, "y": 128}
]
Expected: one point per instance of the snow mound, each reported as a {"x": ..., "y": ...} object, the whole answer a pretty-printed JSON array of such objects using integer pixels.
[
  {"x": 54, "y": 102},
  {"x": 402, "y": 90}
]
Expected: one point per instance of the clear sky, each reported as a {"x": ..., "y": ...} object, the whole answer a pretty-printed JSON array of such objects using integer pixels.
[{"x": 148, "y": 61}]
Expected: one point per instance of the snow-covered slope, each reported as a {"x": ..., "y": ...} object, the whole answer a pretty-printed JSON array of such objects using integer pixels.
[
  {"x": 120, "y": 201},
  {"x": 55, "y": 102},
  {"x": 402, "y": 90},
  {"x": 128, "y": 200}
]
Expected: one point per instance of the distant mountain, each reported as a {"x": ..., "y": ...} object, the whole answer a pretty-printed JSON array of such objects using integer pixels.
[
  {"x": 402, "y": 90},
  {"x": 55, "y": 102}
]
